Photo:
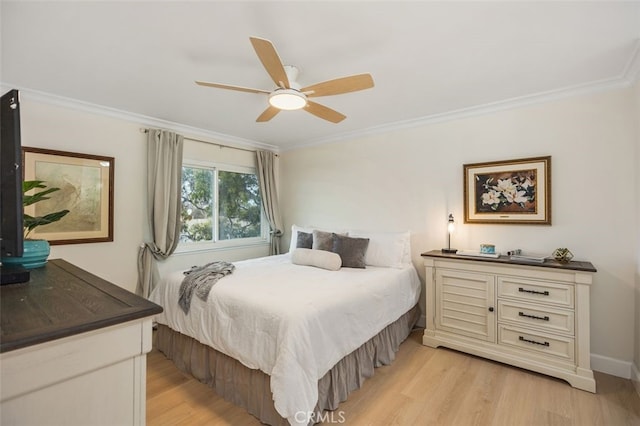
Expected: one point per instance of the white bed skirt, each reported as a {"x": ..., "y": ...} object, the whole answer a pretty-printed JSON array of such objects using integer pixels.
[{"x": 250, "y": 388}]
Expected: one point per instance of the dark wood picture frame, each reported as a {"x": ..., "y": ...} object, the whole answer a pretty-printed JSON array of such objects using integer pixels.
[
  {"x": 508, "y": 192},
  {"x": 86, "y": 190}
]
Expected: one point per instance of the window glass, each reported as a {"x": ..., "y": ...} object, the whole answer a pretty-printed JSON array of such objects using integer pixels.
[
  {"x": 197, "y": 204},
  {"x": 220, "y": 205},
  {"x": 239, "y": 207}
]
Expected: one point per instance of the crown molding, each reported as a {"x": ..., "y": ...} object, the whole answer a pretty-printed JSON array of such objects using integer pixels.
[
  {"x": 142, "y": 120},
  {"x": 628, "y": 77},
  {"x": 474, "y": 111},
  {"x": 478, "y": 110}
]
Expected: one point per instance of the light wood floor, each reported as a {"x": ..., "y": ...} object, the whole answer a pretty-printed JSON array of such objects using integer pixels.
[{"x": 424, "y": 386}]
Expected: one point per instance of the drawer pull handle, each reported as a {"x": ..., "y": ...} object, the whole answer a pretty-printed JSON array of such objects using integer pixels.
[
  {"x": 544, "y": 318},
  {"x": 544, "y": 293},
  {"x": 522, "y": 339}
]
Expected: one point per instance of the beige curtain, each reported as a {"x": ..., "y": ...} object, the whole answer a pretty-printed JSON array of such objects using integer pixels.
[
  {"x": 164, "y": 184},
  {"x": 269, "y": 195}
]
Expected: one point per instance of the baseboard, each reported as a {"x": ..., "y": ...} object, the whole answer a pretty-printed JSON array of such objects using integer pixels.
[
  {"x": 612, "y": 366},
  {"x": 604, "y": 364},
  {"x": 635, "y": 377}
]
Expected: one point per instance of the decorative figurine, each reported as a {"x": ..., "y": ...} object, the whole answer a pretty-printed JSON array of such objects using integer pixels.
[{"x": 562, "y": 255}]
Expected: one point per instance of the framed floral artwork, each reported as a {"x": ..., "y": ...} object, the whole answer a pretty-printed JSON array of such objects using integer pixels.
[
  {"x": 508, "y": 192},
  {"x": 85, "y": 188}
]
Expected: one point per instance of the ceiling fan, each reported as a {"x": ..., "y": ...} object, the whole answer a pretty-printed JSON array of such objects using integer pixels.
[{"x": 289, "y": 95}]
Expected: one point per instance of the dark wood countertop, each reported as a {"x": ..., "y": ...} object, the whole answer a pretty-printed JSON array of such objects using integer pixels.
[
  {"x": 548, "y": 263},
  {"x": 63, "y": 300}
]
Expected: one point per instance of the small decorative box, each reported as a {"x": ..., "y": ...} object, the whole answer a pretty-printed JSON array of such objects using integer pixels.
[{"x": 487, "y": 248}]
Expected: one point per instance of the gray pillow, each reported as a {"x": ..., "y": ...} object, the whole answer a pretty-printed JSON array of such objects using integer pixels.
[
  {"x": 352, "y": 250},
  {"x": 322, "y": 240},
  {"x": 305, "y": 240}
]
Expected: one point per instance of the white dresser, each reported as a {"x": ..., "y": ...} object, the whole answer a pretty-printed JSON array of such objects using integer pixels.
[
  {"x": 73, "y": 350},
  {"x": 533, "y": 316}
]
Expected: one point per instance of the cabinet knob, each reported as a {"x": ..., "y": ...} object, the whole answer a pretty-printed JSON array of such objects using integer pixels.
[{"x": 490, "y": 308}]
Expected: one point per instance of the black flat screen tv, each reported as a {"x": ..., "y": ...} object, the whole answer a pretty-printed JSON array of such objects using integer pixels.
[{"x": 11, "y": 210}]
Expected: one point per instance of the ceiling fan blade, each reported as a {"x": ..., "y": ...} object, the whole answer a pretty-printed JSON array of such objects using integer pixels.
[
  {"x": 271, "y": 61},
  {"x": 268, "y": 114},
  {"x": 231, "y": 87},
  {"x": 348, "y": 84},
  {"x": 324, "y": 112}
]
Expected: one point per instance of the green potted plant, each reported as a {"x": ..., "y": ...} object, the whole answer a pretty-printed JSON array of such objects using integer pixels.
[{"x": 36, "y": 252}]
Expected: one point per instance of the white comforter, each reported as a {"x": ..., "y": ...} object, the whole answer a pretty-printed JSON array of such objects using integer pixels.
[{"x": 292, "y": 322}]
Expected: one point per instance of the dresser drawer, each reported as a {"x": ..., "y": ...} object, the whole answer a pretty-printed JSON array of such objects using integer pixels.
[
  {"x": 538, "y": 342},
  {"x": 536, "y": 291},
  {"x": 544, "y": 318}
]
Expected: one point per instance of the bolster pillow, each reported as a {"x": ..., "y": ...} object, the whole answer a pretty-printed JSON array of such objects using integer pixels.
[{"x": 318, "y": 258}]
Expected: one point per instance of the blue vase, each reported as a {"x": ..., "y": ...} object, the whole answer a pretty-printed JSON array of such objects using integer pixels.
[{"x": 34, "y": 256}]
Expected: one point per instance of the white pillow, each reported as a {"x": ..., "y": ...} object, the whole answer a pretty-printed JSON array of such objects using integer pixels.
[
  {"x": 318, "y": 258},
  {"x": 387, "y": 249}
]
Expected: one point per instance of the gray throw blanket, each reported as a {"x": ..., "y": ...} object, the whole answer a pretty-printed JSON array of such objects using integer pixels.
[{"x": 200, "y": 279}]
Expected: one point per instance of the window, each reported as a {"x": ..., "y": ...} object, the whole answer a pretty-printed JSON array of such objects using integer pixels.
[{"x": 221, "y": 204}]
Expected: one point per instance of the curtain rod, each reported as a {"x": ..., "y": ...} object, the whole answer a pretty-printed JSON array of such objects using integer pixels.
[{"x": 143, "y": 130}]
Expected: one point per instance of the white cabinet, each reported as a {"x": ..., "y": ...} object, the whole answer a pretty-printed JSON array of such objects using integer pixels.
[
  {"x": 93, "y": 378},
  {"x": 465, "y": 303},
  {"x": 73, "y": 350},
  {"x": 533, "y": 316}
]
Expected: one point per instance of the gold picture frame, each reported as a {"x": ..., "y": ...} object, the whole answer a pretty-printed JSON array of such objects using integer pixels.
[
  {"x": 85, "y": 185},
  {"x": 508, "y": 192}
]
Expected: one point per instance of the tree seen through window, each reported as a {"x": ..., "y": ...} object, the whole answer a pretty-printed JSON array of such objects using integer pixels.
[{"x": 238, "y": 201}]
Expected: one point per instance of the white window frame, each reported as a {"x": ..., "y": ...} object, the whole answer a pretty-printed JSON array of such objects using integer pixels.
[{"x": 217, "y": 244}]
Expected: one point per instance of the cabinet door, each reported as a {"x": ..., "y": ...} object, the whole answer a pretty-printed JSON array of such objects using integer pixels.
[{"x": 465, "y": 304}]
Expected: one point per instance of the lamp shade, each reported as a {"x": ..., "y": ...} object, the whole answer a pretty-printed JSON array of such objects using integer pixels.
[{"x": 450, "y": 228}]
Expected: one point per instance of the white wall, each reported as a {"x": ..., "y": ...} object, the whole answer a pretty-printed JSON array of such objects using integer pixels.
[
  {"x": 61, "y": 128},
  {"x": 411, "y": 179}
]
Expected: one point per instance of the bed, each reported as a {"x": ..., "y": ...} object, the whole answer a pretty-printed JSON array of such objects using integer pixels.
[{"x": 287, "y": 340}]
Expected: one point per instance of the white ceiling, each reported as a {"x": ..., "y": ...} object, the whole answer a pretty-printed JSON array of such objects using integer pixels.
[{"x": 429, "y": 60}]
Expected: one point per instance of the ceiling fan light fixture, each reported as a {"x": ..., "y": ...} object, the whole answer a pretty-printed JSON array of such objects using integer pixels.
[
  {"x": 287, "y": 99},
  {"x": 288, "y": 94}
]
